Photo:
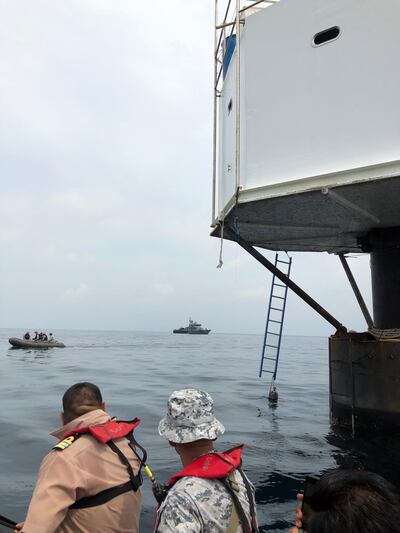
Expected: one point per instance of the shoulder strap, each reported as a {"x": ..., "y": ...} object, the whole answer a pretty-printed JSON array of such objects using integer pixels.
[
  {"x": 232, "y": 487},
  {"x": 234, "y": 518},
  {"x": 136, "y": 480},
  {"x": 106, "y": 495},
  {"x": 228, "y": 484},
  {"x": 102, "y": 497},
  {"x": 250, "y": 497}
]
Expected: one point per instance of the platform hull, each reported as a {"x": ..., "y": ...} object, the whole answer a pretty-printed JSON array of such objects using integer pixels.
[
  {"x": 311, "y": 160},
  {"x": 364, "y": 383}
]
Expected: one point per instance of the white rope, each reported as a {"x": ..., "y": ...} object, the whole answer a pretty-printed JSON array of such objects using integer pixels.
[
  {"x": 385, "y": 334},
  {"x": 221, "y": 247}
]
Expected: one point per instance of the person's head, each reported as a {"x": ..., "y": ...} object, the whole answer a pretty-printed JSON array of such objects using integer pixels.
[
  {"x": 353, "y": 501},
  {"x": 190, "y": 424},
  {"x": 80, "y": 399}
]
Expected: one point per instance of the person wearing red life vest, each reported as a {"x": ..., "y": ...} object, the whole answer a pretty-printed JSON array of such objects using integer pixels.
[
  {"x": 211, "y": 494},
  {"x": 90, "y": 481}
]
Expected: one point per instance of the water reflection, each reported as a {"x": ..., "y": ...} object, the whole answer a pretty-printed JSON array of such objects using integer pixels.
[
  {"x": 276, "y": 491},
  {"x": 377, "y": 453},
  {"x": 39, "y": 355}
]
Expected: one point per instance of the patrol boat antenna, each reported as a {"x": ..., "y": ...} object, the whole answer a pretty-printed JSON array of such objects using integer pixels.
[{"x": 307, "y": 158}]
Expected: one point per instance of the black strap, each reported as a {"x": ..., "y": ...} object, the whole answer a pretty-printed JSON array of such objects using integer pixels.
[
  {"x": 250, "y": 497},
  {"x": 106, "y": 495},
  {"x": 136, "y": 480},
  {"x": 102, "y": 497}
]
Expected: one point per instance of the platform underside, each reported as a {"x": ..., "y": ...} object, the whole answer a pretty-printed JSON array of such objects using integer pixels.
[{"x": 321, "y": 220}]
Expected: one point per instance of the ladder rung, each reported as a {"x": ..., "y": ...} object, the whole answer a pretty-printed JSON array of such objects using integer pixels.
[
  {"x": 276, "y": 309},
  {"x": 268, "y": 371},
  {"x": 280, "y": 285},
  {"x": 284, "y": 262},
  {"x": 270, "y": 333},
  {"x": 270, "y": 358},
  {"x": 271, "y": 346},
  {"x": 276, "y": 321},
  {"x": 280, "y": 297}
]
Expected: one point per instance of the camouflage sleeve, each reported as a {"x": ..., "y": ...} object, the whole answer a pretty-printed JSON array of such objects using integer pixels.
[{"x": 179, "y": 514}]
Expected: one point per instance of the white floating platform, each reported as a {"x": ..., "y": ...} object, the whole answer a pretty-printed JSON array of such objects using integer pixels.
[{"x": 319, "y": 126}]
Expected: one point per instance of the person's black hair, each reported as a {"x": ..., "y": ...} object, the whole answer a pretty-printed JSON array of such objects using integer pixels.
[
  {"x": 353, "y": 501},
  {"x": 80, "y": 399}
]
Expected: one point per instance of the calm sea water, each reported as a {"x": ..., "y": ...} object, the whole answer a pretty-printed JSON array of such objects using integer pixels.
[{"x": 137, "y": 371}]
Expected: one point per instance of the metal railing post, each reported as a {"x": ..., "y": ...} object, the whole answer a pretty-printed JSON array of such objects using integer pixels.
[
  {"x": 237, "y": 94},
  {"x": 232, "y": 18},
  {"x": 214, "y": 174}
]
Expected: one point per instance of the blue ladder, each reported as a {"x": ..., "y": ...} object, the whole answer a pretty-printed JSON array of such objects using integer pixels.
[{"x": 274, "y": 326}]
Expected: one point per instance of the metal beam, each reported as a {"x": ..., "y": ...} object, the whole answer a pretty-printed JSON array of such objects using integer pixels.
[
  {"x": 356, "y": 290},
  {"x": 287, "y": 281},
  {"x": 338, "y": 198}
]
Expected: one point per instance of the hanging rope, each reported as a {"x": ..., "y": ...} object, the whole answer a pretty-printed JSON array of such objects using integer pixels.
[{"x": 221, "y": 246}]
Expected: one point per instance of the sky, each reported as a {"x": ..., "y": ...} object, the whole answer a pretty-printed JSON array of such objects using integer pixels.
[{"x": 106, "y": 164}]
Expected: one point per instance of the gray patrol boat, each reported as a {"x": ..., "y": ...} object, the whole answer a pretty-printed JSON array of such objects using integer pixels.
[{"x": 194, "y": 328}]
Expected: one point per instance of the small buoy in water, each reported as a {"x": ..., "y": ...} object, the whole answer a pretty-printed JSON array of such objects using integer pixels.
[{"x": 273, "y": 395}]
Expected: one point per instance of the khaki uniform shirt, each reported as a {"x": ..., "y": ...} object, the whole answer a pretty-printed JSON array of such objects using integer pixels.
[
  {"x": 84, "y": 468},
  {"x": 199, "y": 505}
]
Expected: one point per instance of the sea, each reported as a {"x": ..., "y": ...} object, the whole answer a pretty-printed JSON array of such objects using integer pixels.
[{"x": 137, "y": 371}]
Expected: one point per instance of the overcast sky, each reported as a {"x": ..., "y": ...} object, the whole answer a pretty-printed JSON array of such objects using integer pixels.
[{"x": 105, "y": 154}]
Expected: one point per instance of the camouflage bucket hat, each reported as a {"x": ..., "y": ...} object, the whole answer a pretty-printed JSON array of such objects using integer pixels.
[{"x": 190, "y": 417}]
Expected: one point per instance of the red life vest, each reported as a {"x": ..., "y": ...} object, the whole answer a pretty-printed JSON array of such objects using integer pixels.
[
  {"x": 105, "y": 432},
  {"x": 214, "y": 465},
  {"x": 218, "y": 465}
]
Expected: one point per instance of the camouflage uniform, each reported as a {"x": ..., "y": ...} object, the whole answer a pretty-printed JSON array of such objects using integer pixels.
[{"x": 195, "y": 504}]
